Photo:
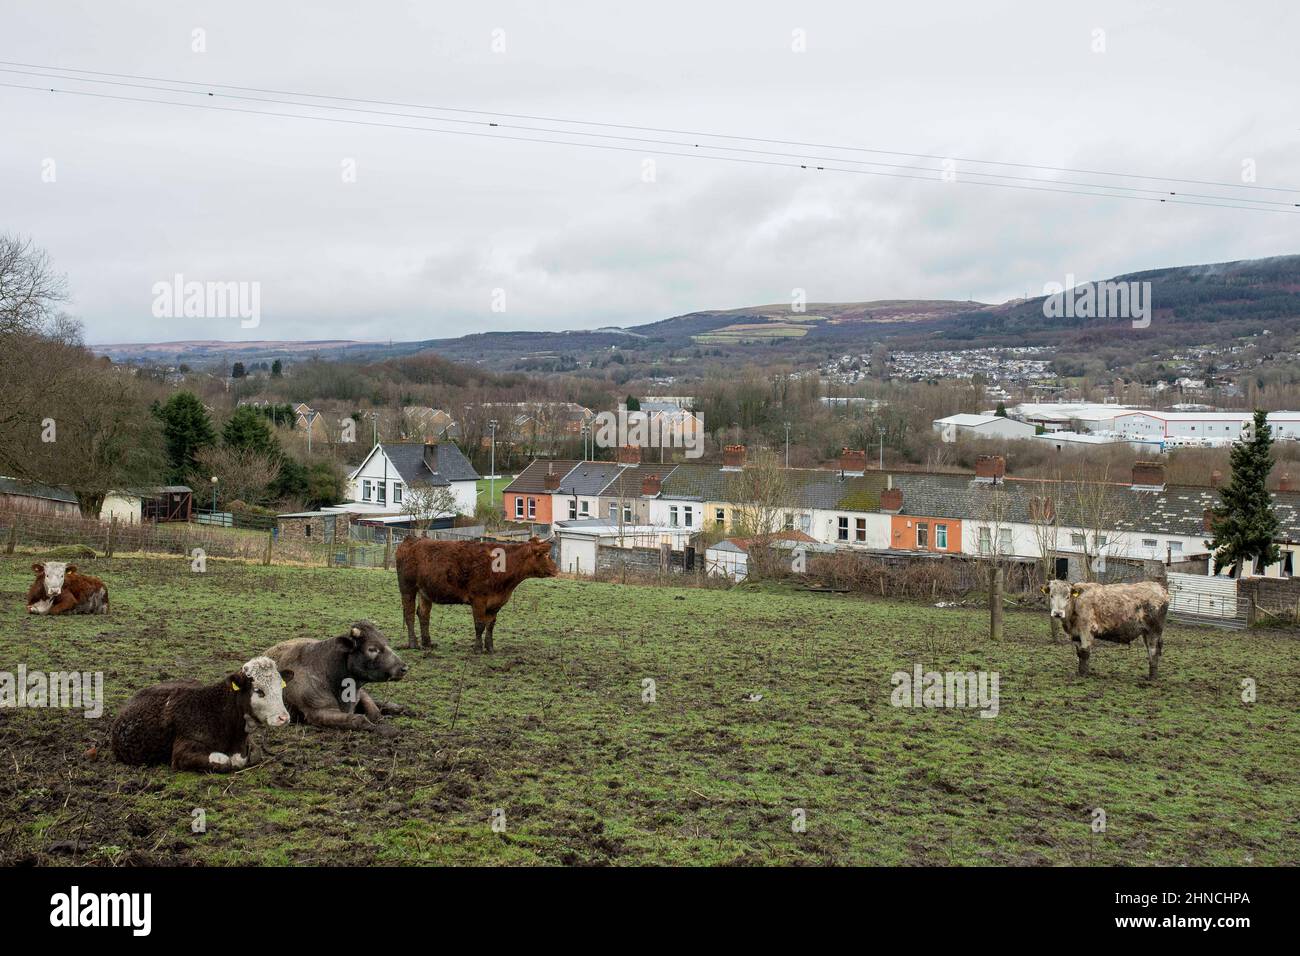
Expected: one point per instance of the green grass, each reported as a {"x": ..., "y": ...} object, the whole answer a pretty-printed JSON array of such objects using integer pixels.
[
  {"x": 552, "y": 730},
  {"x": 484, "y": 487}
]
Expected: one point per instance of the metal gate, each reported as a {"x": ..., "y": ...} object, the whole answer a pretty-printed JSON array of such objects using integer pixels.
[{"x": 1204, "y": 599}]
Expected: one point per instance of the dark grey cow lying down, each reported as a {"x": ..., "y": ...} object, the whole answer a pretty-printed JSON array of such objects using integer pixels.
[{"x": 331, "y": 674}]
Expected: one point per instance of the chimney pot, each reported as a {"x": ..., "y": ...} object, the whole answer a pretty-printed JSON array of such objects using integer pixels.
[
  {"x": 552, "y": 481},
  {"x": 1148, "y": 474},
  {"x": 733, "y": 457},
  {"x": 990, "y": 468},
  {"x": 853, "y": 461},
  {"x": 1285, "y": 483}
]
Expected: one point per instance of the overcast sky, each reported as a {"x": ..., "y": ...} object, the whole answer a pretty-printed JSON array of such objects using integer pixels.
[{"x": 576, "y": 238}]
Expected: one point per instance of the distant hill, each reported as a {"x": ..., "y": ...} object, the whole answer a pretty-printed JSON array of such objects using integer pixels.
[{"x": 1206, "y": 303}]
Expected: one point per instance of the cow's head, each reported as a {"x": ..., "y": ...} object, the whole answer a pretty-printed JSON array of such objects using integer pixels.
[
  {"x": 54, "y": 572},
  {"x": 535, "y": 560},
  {"x": 370, "y": 659},
  {"x": 260, "y": 687},
  {"x": 1059, "y": 595}
]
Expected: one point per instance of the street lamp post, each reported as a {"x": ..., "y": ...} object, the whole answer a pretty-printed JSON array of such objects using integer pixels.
[
  {"x": 882, "y": 447},
  {"x": 787, "y": 444},
  {"x": 214, "y": 497}
]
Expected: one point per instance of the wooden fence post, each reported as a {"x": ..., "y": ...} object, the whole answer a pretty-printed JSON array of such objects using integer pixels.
[
  {"x": 112, "y": 533},
  {"x": 13, "y": 536},
  {"x": 388, "y": 545},
  {"x": 995, "y": 602},
  {"x": 270, "y": 538}
]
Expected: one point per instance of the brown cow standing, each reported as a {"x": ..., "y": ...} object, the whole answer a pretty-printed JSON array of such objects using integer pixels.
[
  {"x": 1118, "y": 613},
  {"x": 60, "y": 589},
  {"x": 480, "y": 574}
]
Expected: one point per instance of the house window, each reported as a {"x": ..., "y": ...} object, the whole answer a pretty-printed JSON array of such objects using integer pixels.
[
  {"x": 613, "y": 513},
  {"x": 720, "y": 516},
  {"x": 627, "y": 514},
  {"x": 1175, "y": 546},
  {"x": 789, "y": 521},
  {"x": 1150, "y": 543},
  {"x": 941, "y": 537},
  {"x": 519, "y": 507},
  {"x": 922, "y": 534},
  {"x": 573, "y": 508},
  {"x": 843, "y": 530},
  {"x": 1101, "y": 541},
  {"x": 986, "y": 541},
  {"x": 585, "y": 509},
  {"x": 1004, "y": 540},
  {"x": 365, "y": 489},
  {"x": 532, "y": 507},
  {"x": 397, "y": 492},
  {"x": 860, "y": 530},
  {"x": 1076, "y": 540},
  {"x": 381, "y": 492},
  {"x": 687, "y": 516},
  {"x": 308, "y": 530},
  {"x": 672, "y": 516}
]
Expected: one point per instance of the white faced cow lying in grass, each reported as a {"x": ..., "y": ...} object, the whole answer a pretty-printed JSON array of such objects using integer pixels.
[
  {"x": 1119, "y": 613},
  {"x": 60, "y": 589},
  {"x": 331, "y": 674},
  {"x": 197, "y": 726}
]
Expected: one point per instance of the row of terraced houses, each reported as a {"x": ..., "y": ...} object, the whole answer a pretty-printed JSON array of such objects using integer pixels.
[{"x": 626, "y": 503}]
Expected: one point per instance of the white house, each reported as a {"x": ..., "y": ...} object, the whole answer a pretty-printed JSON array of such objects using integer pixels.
[
  {"x": 1205, "y": 428},
  {"x": 380, "y": 483},
  {"x": 579, "y": 542},
  {"x": 982, "y": 426}
]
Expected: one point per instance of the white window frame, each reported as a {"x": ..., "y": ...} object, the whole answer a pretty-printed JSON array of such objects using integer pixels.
[
  {"x": 519, "y": 506},
  {"x": 397, "y": 492},
  {"x": 672, "y": 516},
  {"x": 365, "y": 489},
  {"x": 532, "y": 507},
  {"x": 842, "y": 528},
  {"x": 941, "y": 537},
  {"x": 923, "y": 529},
  {"x": 860, "y": 530}
]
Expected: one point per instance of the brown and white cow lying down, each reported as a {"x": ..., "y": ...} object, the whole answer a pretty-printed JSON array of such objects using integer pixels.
[
  {"x": 1119, "y": 613},
  {"x": 197, "y": 726},
  {"x": 60, "y": 589},
  {"x": 480, "y": 574},
  {"x": 331, "y": 674}
]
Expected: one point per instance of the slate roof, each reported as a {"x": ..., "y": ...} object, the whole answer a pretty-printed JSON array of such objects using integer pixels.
[
  {"x": 531, "y": 481},
  {"x": 1178, "y": 509},
  {"x": 589, "y": 478},
  {"x": 34, "y": 489},
  {"x": 408, "y": 459},
  {"x": 627, "y": 483},
  {"x": 807, "y": 487}
]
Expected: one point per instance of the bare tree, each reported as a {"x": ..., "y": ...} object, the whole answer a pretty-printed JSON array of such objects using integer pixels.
[
  {"x": 993, "y": 525},
  {"x": 424, "y": 503},
  {"x": 242, "y": 474},
  {"x": 1095, "y": 511},
  {"x": 30, "y": 289},
  {"x": 761, "y": 494}
]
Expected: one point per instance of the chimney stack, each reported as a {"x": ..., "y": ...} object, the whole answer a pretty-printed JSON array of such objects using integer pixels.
[
  {"x": 1042, "y": 509},
  {"x": 651, "y": 485},
  {"x": 990, "y": 469},
  {"x": 629, "y": 454},
  {"x": 552, "y": 480},
  {"x": 431, "y": 455},
  {"x": 733, "y": 457},
  {"x": 1216, "y": 478},
  {"x": 891, "y": 500},
  {"x": 853, "y": 461},
  {"x": 1149, "y": 475},
  {"x": 1207, "y": 521}
]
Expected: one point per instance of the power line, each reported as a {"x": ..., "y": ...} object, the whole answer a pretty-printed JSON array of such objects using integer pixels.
[
  {"x": 657, "y": 142},
  {"x": 652, "y": 129},
  {"x": 1174, "y": 200}
]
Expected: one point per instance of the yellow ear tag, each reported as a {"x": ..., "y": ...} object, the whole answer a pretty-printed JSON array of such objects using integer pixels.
[
  {"x": 234, "y": 687},
  {"x": 1075, "y": 593},
  {"x": 283, "y": 682}
]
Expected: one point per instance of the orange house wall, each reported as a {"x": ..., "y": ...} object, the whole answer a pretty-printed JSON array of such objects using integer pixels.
[
  {"x": 903, "y": 537},
  {"x": 543, "y": 507}
]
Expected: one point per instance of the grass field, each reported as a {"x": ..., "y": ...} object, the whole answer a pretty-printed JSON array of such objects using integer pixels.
[
  {"x": 553, "y": 731},
  {"x": 487, "y": 493}
]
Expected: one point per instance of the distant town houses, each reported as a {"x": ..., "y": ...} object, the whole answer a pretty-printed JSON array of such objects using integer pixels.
[{"x": 629, "y": 504}]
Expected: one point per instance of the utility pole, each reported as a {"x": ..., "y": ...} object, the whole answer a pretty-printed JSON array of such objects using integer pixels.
[
  {"x": 787, "y": 444},
  {"x": 881, "y": 430},
  {"x": 492, "y": 478}
]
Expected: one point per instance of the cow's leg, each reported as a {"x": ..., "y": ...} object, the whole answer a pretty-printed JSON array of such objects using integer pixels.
[
  {"x": 425, "y": 607},
  {"x": 63, "y": 604},
  {"x": 376, "y": 708},
  {"x": 1083, "y": 650},
  {"x": 408, "y": 615},
  {"x": 339, "y": 720},
  {"x": 191, "y": 755},
  {"x": 480, "y": 623},
  {"x": 1155, "y": 644}
]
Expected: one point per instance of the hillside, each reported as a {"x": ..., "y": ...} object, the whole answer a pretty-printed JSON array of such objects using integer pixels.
[{"x": 1207, "y": 303}]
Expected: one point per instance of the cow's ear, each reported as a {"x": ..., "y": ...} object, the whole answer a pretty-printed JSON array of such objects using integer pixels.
[
  {"x": 70, "y": 569},
  {"x": 1045, "y": 589},
  {"x": 239, "y": 680},
  {"x": 348, "y": 642},
  {"x": 1075, "y": 592},
  {"x": 285, "y": 677},
  {"x": 38, "y": 568}
]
